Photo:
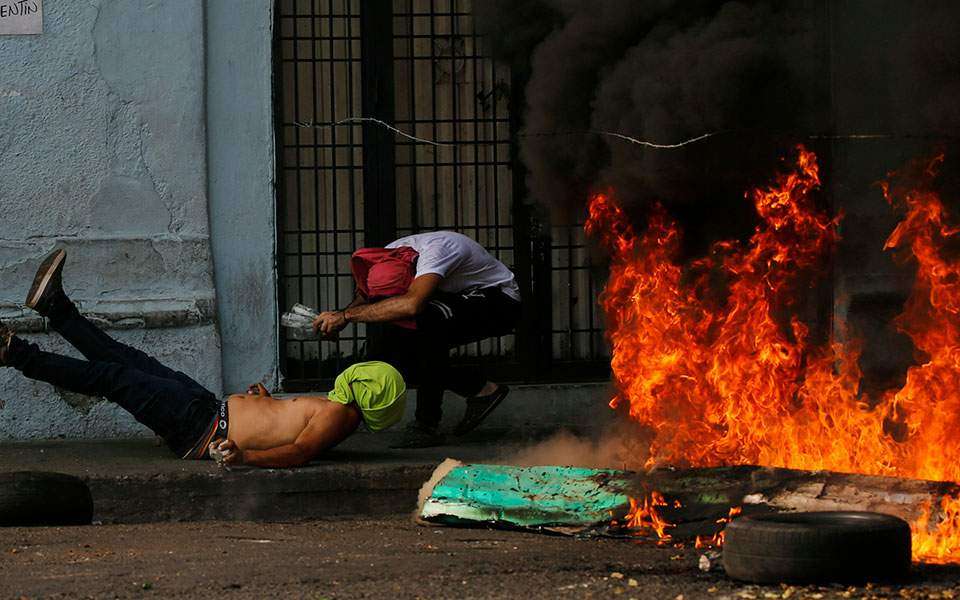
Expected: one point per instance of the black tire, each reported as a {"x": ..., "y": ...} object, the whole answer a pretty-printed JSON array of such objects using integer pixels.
[
  {"x": 817, "y": 547},
  {"x": 30, "y": 498}
]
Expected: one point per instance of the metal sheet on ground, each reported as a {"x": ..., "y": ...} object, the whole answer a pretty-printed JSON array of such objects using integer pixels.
[{"x": 528, "y": 496}]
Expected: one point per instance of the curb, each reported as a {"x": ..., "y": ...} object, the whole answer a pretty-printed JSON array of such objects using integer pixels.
[{"x": 259, "y": 495}]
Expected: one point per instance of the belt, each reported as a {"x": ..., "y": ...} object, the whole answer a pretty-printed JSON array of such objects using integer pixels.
[{"x": 219, "y": 427}]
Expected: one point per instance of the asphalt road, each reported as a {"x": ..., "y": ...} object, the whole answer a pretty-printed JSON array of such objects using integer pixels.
[{"x": 385, "y": 558}]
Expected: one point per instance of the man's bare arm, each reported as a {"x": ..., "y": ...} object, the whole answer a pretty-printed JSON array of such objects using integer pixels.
[
  {"x": 331, "y": 322},
  {"x": 280, "y": 457},
  {"x": 396, "y": 308},
  {"x": 229, "y": 453},
  {"x": 358, "y": 300},
  {"x": 324, "y": 431},
  {"x": 305, "y": 448}
]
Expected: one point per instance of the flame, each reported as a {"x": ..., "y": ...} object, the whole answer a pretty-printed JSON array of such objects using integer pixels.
[
  {"x": 715, "y": 358},
  {"x": 716, "y": 540},
  {"x": 936, "y": 537},
  {"x": 645, "y": 516}
]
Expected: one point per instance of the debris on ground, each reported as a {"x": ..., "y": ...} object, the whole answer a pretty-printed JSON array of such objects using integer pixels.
[
  {"x": 710, "y": 561},
  {"x": 548, "y": 497}
]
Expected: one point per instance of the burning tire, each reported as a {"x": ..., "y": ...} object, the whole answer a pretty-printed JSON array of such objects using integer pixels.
[
  {"x": 29, "y": 498},
  {"x": 811, "y": 547}
]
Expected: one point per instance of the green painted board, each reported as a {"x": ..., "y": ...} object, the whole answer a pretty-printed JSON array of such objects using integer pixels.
[{"x": 527, "y": 496}]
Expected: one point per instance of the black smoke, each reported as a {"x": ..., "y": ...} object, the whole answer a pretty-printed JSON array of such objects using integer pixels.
[
  {"x": 664, "y": 71},
  {"x": 867, "y": 84},
  {"x": 763, "y": 76}
]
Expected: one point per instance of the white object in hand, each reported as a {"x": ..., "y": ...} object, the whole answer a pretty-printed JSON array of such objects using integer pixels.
[
  {"x": 300, "y": 321},
  {"x": 217, "y": 452},
  {"x": 306, "y": 311}
]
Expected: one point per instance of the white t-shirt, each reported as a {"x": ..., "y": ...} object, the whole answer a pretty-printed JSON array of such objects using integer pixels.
[{"x": 461, "y": 262}]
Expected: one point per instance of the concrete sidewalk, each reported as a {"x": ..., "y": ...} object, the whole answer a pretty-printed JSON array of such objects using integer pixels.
[{"x": 140, "y": 481}]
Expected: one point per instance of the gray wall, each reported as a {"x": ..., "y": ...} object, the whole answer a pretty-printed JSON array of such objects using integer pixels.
[
  {"x": 241, "y": 162},
  {"x": 103, "y": 151}
]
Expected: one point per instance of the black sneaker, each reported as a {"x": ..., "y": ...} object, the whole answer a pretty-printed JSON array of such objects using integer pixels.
[
  {"x": 419, "y": 435},
  {"x": 47, "y": 284},
  {"x": 478, "y": 408},
  {"x": 6, "y": 334}
]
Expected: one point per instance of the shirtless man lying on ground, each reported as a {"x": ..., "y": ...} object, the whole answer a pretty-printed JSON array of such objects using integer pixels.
[{"x": 252, "y": 429}]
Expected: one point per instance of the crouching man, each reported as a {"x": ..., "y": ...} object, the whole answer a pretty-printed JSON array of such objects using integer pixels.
[
  {"x": 252, "y": 428},
  {"x": 439, "y": 290}
]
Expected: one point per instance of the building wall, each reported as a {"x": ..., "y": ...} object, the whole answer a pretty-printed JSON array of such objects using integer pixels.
[
  {"x": 241, "y": 157},
  {"x": 103, "y": 152}
]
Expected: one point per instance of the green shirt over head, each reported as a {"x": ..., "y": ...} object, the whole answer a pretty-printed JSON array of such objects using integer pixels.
[{"x": 378, "y": 390}]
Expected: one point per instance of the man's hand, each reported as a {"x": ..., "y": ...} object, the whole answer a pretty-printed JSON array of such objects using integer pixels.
[
  {"x": 257, "y": 389},
  {"x": 226, "y": 452},
  {"x": 330, "y": 322}
]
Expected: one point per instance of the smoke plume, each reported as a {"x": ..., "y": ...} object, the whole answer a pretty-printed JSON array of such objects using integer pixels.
[{"x": 762, "y": 75}]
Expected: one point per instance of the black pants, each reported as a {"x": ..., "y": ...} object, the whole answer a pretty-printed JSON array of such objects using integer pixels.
[
  {"x": 170, "y": 403},
  {"x": 449, "y": 320}
]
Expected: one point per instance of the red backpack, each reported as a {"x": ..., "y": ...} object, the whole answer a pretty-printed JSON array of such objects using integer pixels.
[{"x": 385, "y": 272}]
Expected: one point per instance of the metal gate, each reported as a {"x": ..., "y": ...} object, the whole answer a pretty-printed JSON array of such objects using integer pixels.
[{"x": 419, "y": 66}]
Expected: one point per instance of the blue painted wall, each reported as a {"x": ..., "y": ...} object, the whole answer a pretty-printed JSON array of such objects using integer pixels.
[
  {"x": 103, "y": 150},
  {"x": 240, "y": 148}
]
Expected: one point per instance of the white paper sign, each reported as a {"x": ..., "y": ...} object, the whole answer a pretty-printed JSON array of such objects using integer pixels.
[{"x": 20, "y": 17}]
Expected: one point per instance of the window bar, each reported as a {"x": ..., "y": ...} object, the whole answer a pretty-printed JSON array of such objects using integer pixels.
[
  {"x": 296, "y": 117},
  {"x": 495, "y": 135},
  {"x": 477, "y": 111},
  {"x": 354, "y": 329},
  {"x": 455, "y": 128},
  {"x": 412, "y": 117},
  {"x": 316, "y": 118},
  {"x": 455, "y": 113},
  {"x": 334, "y": 191},
  {"x": 433, "y": 101},
  {"x": 571, "y": 312}
]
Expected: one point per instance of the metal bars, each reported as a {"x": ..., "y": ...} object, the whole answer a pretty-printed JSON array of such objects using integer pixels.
[
  {"x": 576, "y": 333},
  {"x": 449, "y": 92},
  {"x": 322, "y": 172},
  {"x": 420, "y": 65}
]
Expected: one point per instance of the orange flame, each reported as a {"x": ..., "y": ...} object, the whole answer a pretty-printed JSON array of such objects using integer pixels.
[
  {"x": 734, "y": 378},
  {"x": 716, "y": 540},
  {"x": 936, "y": 537},
  {"x": 645, "y": 516}
]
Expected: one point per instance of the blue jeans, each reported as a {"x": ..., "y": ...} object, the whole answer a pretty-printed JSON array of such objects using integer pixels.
[{"x": 170, "y": 403}]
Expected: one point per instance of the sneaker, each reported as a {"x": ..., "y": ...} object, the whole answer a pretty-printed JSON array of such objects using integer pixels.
[
  {"x": 6, "y": 334},
  {"x": 478, "y": 408},
  {"x": 47, "y": 284},
  {"x": 419, "y": 435}
]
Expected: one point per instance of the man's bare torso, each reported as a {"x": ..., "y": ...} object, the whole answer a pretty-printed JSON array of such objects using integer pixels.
[{"x": 262, "y": 422}]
